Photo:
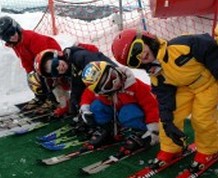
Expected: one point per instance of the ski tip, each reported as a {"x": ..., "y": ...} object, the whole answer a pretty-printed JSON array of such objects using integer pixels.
[
  {"x": 38, "y": 143},
  {"x": 83, "y": 171},
  {"x": 48, "y": 144},
  {"x": 53, "y": 147},
  {"x": 38, "y": 138},
  {"x": 21, "y": 132},
  {"x": 50, "y": 161},
  {"x": 40, "y": 162},
  {"x": 47, "y": 138},
  {"x": 44, "y": 162}
]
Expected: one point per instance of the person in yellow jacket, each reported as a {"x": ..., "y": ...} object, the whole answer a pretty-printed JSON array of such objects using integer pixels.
[{"x": 184, "y": 73}]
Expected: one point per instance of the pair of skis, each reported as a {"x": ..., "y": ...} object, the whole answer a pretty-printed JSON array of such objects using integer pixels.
[
  {"x": 95, "y": 167},
  {"x": 187, "y": 174},
  {"x": 10, "y": 120},
  {"x": 22, "y": 122},
  {"x": 19, "y": 122},
  {"x": 149, "y": 172},
  {"x": 22, "y": 125},
  {"x": 111, "y": 160},
  {"x": 55, "y": 137},
  {"x": 65, "y": 137},
  {"x": 60, "y": 139},
  {"x": 68, "y": 156},
  {"x": 19, "y": 113},
  {"x": 16, "y": 115},
  {"x": 17, "y": 110},
  {"x": 85, "y": 149}
]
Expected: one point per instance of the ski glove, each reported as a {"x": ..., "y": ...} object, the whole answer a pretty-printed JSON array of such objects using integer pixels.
[
  {"x": 61, "y": 111},
  {"x": 74, "y": 110},
  {"x": 63, "y": 108},
  {"x": 87, "y": 118},
  {"x": 177, "y": 136},
  {"x": 150, "y": 138},
  {"x": 85, "y": 122}
]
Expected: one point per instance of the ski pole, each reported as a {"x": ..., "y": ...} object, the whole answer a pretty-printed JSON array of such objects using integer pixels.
[{"x": 114, "y": 99}]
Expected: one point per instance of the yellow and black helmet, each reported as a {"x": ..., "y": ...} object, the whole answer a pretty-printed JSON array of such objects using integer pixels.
[{"x": 102, "y": 77}]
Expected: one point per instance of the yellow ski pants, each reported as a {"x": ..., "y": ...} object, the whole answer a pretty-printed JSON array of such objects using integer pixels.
[{"x": 202, "y": 105}]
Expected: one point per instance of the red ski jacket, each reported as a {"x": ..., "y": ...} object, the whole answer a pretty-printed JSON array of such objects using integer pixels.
[
  {"x": 30, "y": 45},
  {"x": 134, "y": 91}
]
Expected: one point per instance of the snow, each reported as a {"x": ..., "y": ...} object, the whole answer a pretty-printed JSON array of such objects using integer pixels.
[{"x": 14, "y": 88}]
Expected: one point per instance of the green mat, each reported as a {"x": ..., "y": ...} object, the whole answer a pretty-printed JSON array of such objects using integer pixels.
[{"x": 19, "y": 155}]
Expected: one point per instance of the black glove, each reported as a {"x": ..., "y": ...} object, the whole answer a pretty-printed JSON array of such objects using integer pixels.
[
  {"x": 85, "y": 123},
  {"x": 174, "y": 133},
  {"x": 87, "y": 118},
  {"x": 74, "y": 110}
]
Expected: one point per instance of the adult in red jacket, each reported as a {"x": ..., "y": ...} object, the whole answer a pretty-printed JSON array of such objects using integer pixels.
[
  {"x": 115, "y": 92},
  {"x": 27, "y": 44}
]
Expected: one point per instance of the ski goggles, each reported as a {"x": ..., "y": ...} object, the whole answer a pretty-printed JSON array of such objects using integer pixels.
[
  {"x": 109, "y": 83},
  {"x": 54, "y": 64},
  {"x": 135, "y": 52},
  {"x": 8, "y": 34}
]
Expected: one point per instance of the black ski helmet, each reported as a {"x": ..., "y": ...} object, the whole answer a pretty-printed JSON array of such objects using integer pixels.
[{"x": 8, "y": 27}]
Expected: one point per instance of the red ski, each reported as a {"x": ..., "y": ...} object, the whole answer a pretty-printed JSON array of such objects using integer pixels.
[
  {"x": 187, "y": 174},
  {"x": 149, "y": 172}
]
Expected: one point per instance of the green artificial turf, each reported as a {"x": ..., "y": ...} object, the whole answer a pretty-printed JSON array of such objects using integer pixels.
[{"x": 20, "y": 155}]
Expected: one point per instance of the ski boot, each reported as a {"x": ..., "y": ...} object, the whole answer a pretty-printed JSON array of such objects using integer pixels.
[
  {"x": 163, "y": 158},
  {"x": 200, "y": 164},
  {"x": 32, "y": 104},
  {"x": 82, "y": 128},
  {"x": 46, "y": 107},
  {"x": 131, "y": 144},
  {"x": 99, "y": 137}
]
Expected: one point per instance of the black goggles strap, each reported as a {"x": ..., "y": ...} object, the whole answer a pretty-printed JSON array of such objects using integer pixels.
[{"x": 54, "y": 65}]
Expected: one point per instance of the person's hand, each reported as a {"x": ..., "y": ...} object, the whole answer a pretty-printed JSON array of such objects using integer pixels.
[
  {"x": 58, "y": 112},
  {"x": 85, "y": 122},
  {"x": 152, "y": 134},
  {"x": 74, "y": 110},
  {"x": 177, "y": 136},
  {"x": 87, "y": 118}
]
